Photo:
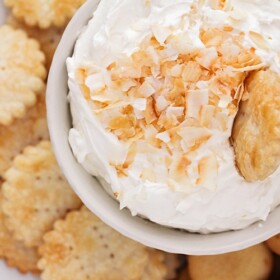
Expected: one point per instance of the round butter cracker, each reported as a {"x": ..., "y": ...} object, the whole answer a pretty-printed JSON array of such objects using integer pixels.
[
  {"x": 22, "y": 73},
  {"x": 48, "y": 38},
  {"x": 22, "y": 132},
  {"x": 274, "y": 244},
  {"x": 44, "y": 13},
  {"x": 35, "y": 194},
  {"x": 14, "y": 252},
  {"x": 249, "y": 264},
  {"x": 83, "y": 247}
]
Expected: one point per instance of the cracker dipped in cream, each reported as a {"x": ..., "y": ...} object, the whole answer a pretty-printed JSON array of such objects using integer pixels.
[{"x": 155, "y": 87}]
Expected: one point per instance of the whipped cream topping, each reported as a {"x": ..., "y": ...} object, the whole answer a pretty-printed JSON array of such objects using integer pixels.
[{"x": 168, "y": 158}]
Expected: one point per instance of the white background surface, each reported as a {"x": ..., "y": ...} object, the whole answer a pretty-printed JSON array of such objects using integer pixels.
[{"x": 5, "y": 272}]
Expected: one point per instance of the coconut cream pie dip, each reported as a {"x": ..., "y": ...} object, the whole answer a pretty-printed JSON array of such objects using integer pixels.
[{"x": 155, "y": 87}]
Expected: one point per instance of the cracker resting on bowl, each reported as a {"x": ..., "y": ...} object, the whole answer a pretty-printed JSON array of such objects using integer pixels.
[{"x": 256, "y": 131}]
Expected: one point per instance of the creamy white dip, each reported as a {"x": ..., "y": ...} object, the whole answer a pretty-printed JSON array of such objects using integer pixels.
[{"x": 212, "y": 196}]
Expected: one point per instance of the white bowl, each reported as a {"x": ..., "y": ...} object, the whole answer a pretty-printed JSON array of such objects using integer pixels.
[{"x": 99, "y": 202}]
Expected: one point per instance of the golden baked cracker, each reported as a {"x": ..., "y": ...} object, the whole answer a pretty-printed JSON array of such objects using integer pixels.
[
  {"x": 252, "y": 263},
  {"x": 256, "y": 130},
  {"x": 22, "y": 73},
  {"x": 48, "y": 38},
  {"x": 44, "y": 13},
  {"x": 83, "y": 247},
  {"x": 172, "y": 264},
  {"x": 14, "y": 252},
  {"x": 161, "y": 266},
  {"x": 35, "y": 194},
  {"x": 20, "y": 52},
  {"x": 274, "y": 244},
  {"x": 184, "y": 275},
  {"x": 22, "y": 132}
]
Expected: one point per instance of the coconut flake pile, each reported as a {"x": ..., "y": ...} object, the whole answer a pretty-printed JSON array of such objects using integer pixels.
[{"x": 171, "y": 104}]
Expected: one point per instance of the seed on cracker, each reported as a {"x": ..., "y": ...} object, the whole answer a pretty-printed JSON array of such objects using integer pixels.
[
  {"x": 252, "y": 263},
  {"x": 35, "y": 194},
  {"x": 22, "y": 132},
  {"x": 274, "y": 244},
  {"x": 83, "y": 247},
  {"x": 44, "y": 13},
  {"x": 48, "y": 39},
  {"x": 22, "y": 73},
  {"x": 14, "y": 252}
]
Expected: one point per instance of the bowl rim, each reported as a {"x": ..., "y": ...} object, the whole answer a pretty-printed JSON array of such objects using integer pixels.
[{"x": 94, "y": 196}]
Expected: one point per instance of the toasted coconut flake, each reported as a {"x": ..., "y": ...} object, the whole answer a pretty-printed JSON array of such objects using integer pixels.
[
  {"x": 249, "y": 68},
  {"x": 191, "y": 72},
  {"x": 222, "y": 121},
  {"x": 207, "y": 57},
  {"x": 120, "y": 122},
  {"x": 176, "y": 70},
  {"x": 174, "y": 111},
  {"x": 140, "y": 104},
  {"x": 182, "y": 164},
  {"x": 80, "y": 75},
  {"x": 239, "y": 92},
  {"x": 206, "y": 115},
  {"x": 168, "y": 54},
  {"x": 163, "y": 136},
  {"x": 228, "y": 28},
  {"x": 161, "y": 33},
  {"x": 247, "y": 58},
  {"x": 195, "y": 100},
  {"x": 224, "y": 101},
  {"x": 167, "y": 123},
  {"x": 178, "y": 167},
  {"x": 146, "y": 89},
  {"x": 95, "y": 82},
  {"x": 183, "y": 43},
  {"x": 127, "y": 84},
  {"x": 86, "y": 91},
  {"x": 208, "y": 171},
  {"x": 153, "y": 54},
  {"x": 150, "y": 114},
  {"x": 150, "y": 132},
  {"x": 220, "y": 4},
  {"x": 194, "y": 136},
  {"x": 229, "y": 49},
  {"x": 213, "y": 37},
  {"x": 161, "y": 103},
  {"x": 259, "y": 40},
  {"x": 98, "y": 98}
]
